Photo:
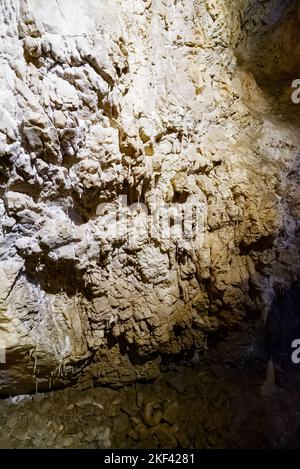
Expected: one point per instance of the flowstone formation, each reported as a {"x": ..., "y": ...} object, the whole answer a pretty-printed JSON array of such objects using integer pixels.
[{"x": 114, "y": 114}]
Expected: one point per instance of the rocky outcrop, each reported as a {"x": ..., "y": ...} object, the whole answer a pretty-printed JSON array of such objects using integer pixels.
[{"x": 116, "y": 116}]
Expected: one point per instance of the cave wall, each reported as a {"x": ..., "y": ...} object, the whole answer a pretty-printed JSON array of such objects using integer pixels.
[{"x": 151, "y": 101}]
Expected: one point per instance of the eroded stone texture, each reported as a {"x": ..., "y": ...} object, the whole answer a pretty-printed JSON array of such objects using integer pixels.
[
  {"x": 143, "y": 99},
  {"x": 227, "y": 400}
]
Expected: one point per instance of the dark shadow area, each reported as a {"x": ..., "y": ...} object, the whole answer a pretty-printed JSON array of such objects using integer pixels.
[
  {"x": 282, "y": 328},
  {"x": 270, "y": 50}
]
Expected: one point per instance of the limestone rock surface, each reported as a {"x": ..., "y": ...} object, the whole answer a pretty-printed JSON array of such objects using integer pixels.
[{"x": 114, "y": 115}]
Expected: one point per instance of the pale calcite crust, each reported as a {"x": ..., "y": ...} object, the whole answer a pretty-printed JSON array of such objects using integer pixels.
[{"x": 143, "y": 99}]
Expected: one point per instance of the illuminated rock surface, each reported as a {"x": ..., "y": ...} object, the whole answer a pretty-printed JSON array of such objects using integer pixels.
[{"x": 164, "y": 103}]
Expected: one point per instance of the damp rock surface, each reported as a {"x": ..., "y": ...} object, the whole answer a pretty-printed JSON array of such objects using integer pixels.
[
  {"x": 147, "y": 102},
  {"x": 230, "y": 400}
]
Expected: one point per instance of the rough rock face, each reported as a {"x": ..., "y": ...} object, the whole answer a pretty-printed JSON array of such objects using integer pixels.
[{"x": 115, "y": 115}]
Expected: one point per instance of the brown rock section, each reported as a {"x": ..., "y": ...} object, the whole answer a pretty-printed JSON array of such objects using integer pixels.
[{"x": 145, "y": 100}]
